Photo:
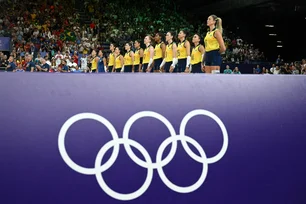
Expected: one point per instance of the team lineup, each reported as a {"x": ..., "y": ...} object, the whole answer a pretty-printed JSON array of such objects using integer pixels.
[
  {"x": 158, "y": 55},
  {"x": 167, "y": 56}
]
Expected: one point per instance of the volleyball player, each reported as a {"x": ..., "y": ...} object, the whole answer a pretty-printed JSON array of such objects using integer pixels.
[
  {"x": 94, "y": 61},
  {"x": 111, "y": 58},
  {"x": 159, "y": 51},
  {"x": 119, "y": 61},
  {"x": 138, "y": 56},
  {"x": 214, "y": 45},
  {"x": 196, "y": 55},
  {"x": 128, "y": 58},
  {"x": 183, "y": 52},
  {"x": 148, "y": 54},
  {"x": 102, "y": 62},
  {"x": 170, "y": 59}
]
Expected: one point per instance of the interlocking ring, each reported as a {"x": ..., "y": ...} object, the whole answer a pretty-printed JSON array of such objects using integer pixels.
[
  {"x": 62, "y": 147},
  {"x": 147, "y": 163},
  {"x": 129, "y": 150},
  {"x": 221, "y": 125}
]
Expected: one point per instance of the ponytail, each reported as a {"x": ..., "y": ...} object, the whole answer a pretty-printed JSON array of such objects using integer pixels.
[
  {"x": 219, "y": 24},
  {"x": 151, "y": 39},
  {"x": 173, "y": 35}
]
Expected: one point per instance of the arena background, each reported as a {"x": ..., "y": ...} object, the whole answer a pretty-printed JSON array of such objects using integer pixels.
[
  {"x": 247, "y": 19},
  {"x": 57, "y": 130}
]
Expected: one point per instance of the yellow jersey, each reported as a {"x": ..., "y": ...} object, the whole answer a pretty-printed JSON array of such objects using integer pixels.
[
  {"x": 94, "y": 64},
  {"x": 169, "y": 52},
  {"x": 118, "y": 62},
  {"x": 181, "y": 50},
  {"x": 211, "y": 43},
  {"x": 146, "y": 55},
  {"x": 111, "y": 59},
  {"x": 137, "y": 57},
  {"x": 128, "y": 58},
  {"x": 158, "y": 52},
  {"x": 196, "y": 55}
]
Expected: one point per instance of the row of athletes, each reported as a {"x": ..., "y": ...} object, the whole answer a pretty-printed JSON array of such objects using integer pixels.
[{"x": 171, "y": 57}]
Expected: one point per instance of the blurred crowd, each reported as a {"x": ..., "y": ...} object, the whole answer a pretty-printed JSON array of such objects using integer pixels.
[
  {"x": 276, "y": 68},
  {"x": 239, "y": 51}
]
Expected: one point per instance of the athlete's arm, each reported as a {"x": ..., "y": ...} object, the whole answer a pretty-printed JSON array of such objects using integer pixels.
[
  {"x": 174, "y": 51},
  {"x": 219, "y": 38},
  {"x": 202, "y": 50},
  {"x": 141, "y": 57},
  {"x": 97, "y": 60},
  {"x": 121, "y": 60},
  {"x": 105, "y": 64},
  {"x": 133, "y": 58},
  {"x": 163, "y": 47},
  {"x": 122, "y": 63},
  {"x": 187, "y": 45},
  {"x": 203, "y": 57},
  {"x": 151, "y": 56}
]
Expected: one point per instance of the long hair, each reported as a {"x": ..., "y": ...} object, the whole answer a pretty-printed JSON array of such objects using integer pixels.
[
  {"x": 141, "y": 43},
  {"x": 218, "y": 23},
  {"x": 186, "y": 32},
  {"x": 162, "y": 36},
  {"x": 173, "y": 35},
  {"x": 114, "y": 45},
  {"x": 128, "y": 43},
  {"x": 151, "y": 39},
  {"x": 201, "y": 39}
]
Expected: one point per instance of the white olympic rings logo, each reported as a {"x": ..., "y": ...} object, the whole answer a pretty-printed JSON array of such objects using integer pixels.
[{"x": 148, "y": 163}]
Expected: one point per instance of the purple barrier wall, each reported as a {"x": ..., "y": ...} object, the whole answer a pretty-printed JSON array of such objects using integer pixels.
[{"x": 152, "y": 138}]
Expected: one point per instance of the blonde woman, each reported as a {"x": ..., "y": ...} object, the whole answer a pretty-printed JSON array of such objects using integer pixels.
[
  {"x": 148, "y": 54},
  {"x": 214, "y": 45}
]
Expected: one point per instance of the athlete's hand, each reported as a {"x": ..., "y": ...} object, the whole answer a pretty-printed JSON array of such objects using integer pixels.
[
  {"x": 203, "y": 68},
  {"x": 161, "y": 69},
  {"x": 171, "y": 69},
  {"x": 187, "y": 70}
]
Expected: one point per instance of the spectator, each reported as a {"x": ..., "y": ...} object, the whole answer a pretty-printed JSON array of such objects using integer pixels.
[
  {"x": 227, "y": 70},
  {"x": 11, "y": 67},
  {"x": 277, "y": 70},
  {"x": 236, "y": 71},
  {"x": 43, "y": 67}
]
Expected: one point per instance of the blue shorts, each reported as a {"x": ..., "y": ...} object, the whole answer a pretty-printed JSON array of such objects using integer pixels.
[
  {"x": 144, "y": 67},
  {"x": 110, "y": 68},
  {"x": 128, "y": 68},
  {"x": 213, "y": 58},
  {"x": 157, "y": 63},
  {"x": 167, "y": 67},
  {"x": 196, "y": 68},
  {"x": 181, "y": 65}
]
